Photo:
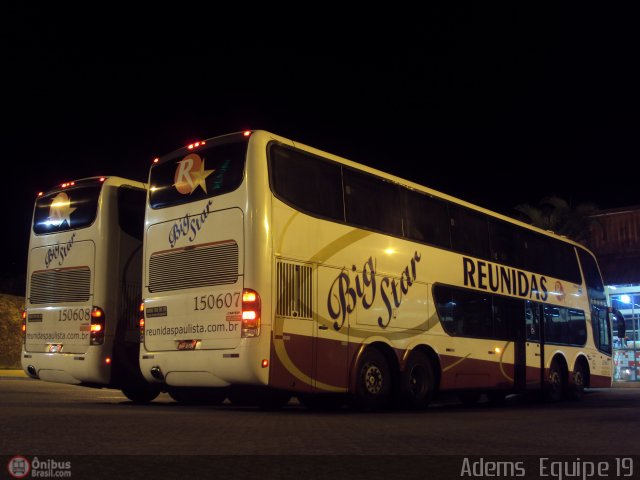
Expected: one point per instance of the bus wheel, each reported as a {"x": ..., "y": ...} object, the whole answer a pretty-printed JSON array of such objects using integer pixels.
[
  {"x": 373, "y": 381},
  {"x": 557, "y": 385},
  {"x": 141, "y": 394},
  {"x": 417, "y": 385},
  {"x": 580, "y": 373},
  {"x": 198, "y": 396}
]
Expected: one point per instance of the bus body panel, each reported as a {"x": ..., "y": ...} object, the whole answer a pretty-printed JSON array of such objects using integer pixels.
[
  {"x": 113, "y": 256},
  {"x": 330, "y": 289},
  {"x": 221, "y": 358},
  {"x": 195, "y": 289},
  {"x": 60, "y": 295},
  {"x": 395, "y": 301}
]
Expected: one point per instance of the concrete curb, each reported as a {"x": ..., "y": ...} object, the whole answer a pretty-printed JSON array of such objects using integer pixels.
[
  {"x": 626, "y": 385},
  {"x": 12, "y": 373}
]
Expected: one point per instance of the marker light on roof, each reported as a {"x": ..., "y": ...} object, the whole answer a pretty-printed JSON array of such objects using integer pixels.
[
  {"x": 102, "y": 179},
  {"x": 246, "y": 133},
  {"x": 191, "y": 146},
  {"x": 40, "y": 194},
  {"x": 156, "y": 160}
]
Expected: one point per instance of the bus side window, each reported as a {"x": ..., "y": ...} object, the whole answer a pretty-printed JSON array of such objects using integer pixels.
[
  {"x": 371, "y": 202},
  {"x": 131, "y": 203},
  {"x": 595, "y": 291},
  {"x": 591, "y": 273},
  {"x": 554, "y": 325},
  {"x": 446, "y": 308},
  {"x": 601, "y": 330},
  {"x": 507, "y": 317},
  {"x": 426, "y": 219},
  {"x": 577, "y": 327},
  {"x": 469, "y": 232},
  {"x": 306, "y": 182},
  {"x": 532, "y": 321},
  {"x": 503, "y": 240},
  {"x": 564, "y": 262},
  {"x": 475, "y": 313}
]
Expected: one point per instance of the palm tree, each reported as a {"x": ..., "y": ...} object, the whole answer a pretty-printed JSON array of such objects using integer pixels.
[{"x": 556, "y": 214}]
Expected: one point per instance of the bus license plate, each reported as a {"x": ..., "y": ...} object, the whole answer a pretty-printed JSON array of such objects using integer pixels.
[
  {"x": 187, "y": 344},
  {"x": 55, "y": 348}
]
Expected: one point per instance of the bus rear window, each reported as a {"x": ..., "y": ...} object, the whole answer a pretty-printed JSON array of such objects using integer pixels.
[
  {"x": 188, "y": 176},
  {"x": 67, "y": 210}
]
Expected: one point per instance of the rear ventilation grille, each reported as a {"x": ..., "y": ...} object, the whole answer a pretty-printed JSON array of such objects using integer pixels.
[
  {"x": 60, "y": 286},
  {"x": 200, "y": 266},
  {"x": 295, "y": 290}
]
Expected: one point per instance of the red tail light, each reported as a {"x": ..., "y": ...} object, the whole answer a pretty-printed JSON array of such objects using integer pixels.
[
  {"x": 23, "y": 315},
  {"x": 141, "y": 322},
  {"x": 251, "y": 309},
  {"x": 97, "y": 326}
]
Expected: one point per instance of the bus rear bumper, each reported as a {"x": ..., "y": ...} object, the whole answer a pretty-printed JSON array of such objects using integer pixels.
[
  {"x": 90, "y": 367},
  {"x": 202, "y": 368}
]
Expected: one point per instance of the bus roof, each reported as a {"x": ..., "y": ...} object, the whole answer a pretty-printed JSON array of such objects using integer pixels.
[
  {"x": 412, "y": 185},
  {"x": 108, "y": 180}
]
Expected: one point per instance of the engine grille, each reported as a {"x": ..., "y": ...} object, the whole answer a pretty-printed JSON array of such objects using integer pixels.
[
  {"x": 200, "y": 266},
  {"x": 295, "y": 290},
  {"x": 59, "y": 286}
]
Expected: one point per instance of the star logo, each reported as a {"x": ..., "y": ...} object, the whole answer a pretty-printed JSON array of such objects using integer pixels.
[
  {"x": 60, "y": 210},
  {"x": 191, "y": 174}
]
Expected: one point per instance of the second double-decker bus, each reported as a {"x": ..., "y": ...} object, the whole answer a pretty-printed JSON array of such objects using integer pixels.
[
  {"x": 272, "y": 269},
  {"x": 81, "y": 322}
]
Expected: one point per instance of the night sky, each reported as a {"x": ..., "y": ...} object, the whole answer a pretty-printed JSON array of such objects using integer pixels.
[{"x": 495, "y": 107}]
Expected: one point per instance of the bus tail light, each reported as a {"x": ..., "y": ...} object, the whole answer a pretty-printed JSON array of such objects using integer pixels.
[
  {"x": 23, "y": 315},
  {"x": 97, "y": 326},
  {"x": 251, "y": 309},
  {"x": 141, "y": 322}
]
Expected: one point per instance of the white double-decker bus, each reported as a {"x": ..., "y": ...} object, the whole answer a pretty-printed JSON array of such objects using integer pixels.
[
  {"x": 81, "y": 321},
  {"x": 273, "y": 267}
]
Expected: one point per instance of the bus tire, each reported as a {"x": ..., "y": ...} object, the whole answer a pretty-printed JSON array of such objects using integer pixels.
[
  {"x": 580, "y": 380},
  {"x": 141, "y": 394},
  {"x": 557, "y": 382},
  {"x": 373, "y": 381},
  {"x": 417, "y": 383}
]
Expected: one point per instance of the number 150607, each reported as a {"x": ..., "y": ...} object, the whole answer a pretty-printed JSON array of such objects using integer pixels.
[{"x": 222, "y": 300}]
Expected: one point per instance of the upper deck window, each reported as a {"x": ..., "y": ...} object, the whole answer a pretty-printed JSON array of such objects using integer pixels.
[
  {"x": 308, "y": 182},
  {"x": 66, "y": 210},
  {"x": 187, "y": 176}
]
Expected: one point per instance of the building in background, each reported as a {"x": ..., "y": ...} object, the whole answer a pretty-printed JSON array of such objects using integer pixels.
[{"x": 615, "y": 239}]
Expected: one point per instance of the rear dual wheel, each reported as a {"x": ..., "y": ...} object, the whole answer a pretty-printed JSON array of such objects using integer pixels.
[
  {"x": 417, "y": 383},
  {"x": 141, "y": 394},
  {"x": 373, "y": 381},
  {"x": 556, "y": 382}
]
